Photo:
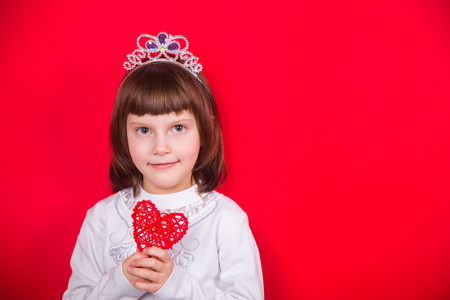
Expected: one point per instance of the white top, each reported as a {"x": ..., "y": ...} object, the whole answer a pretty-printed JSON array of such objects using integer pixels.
[{"x": 216, "y": 259}]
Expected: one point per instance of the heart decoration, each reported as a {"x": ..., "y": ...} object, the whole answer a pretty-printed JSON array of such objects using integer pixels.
[{"x": 152, "y": 228}]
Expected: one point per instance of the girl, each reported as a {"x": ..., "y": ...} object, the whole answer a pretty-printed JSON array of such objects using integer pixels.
[{"x": 167, "y": 148}]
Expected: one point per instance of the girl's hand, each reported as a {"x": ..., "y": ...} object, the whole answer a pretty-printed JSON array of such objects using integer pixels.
[
  {"x": 127, "y": 262},
  {"x": 150, "y": 270}
]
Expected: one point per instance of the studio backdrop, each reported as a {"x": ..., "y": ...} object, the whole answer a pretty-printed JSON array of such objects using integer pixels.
[{"x": 335, "y": 117}]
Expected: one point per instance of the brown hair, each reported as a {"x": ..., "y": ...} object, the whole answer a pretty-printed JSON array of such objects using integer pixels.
[{"x": 161, "y": 88}]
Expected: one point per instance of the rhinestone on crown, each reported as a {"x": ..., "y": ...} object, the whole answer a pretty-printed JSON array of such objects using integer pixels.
[{"x": 163, "y": 46}]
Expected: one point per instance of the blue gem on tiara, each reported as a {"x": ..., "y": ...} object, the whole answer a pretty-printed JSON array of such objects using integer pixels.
[
  {"x": 151, "y": 45},
  {"x": 163, "y": 47},
  {"x": 162, "y": 37},
  {"x": 173, "y": 46}
]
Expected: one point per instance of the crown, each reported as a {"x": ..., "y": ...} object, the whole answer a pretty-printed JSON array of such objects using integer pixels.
[{"x": 163, "y": 47}]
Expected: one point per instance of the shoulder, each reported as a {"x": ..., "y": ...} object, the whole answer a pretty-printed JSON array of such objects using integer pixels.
[
  {"x": 229, "y": 212},
  {"x": 231, "y": 224},
  {"x": 103, "y": 207}
]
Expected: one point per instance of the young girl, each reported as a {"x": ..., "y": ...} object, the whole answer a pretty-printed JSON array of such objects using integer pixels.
[{"x": 167, "y": 148}]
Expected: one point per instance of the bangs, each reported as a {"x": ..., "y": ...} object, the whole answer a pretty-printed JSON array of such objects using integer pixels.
[{"x": 159, "y": 88}]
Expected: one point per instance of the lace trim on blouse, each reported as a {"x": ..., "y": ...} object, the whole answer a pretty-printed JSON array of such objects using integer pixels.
[{"x": 196, "y": 212}]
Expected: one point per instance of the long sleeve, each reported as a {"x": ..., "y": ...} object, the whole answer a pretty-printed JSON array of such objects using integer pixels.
[
  {"x": 90, "y": 277},
  {"x": 240, "y": 269}
]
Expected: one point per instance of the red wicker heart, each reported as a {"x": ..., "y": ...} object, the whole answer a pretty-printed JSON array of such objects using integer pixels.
[{"x": 152, "y": 228}]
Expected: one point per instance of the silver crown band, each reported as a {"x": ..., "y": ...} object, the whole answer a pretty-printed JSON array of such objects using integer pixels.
[{"x": 163, "y": 47}]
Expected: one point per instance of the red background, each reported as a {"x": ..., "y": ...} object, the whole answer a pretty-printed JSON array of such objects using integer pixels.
[{"x": 336, "y": 125}]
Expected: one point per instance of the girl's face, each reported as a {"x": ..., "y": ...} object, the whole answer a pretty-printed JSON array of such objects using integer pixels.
[{"x": 164, "y": 148}]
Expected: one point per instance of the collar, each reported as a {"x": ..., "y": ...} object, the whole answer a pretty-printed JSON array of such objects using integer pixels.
[{"x": 170, "y": 201}]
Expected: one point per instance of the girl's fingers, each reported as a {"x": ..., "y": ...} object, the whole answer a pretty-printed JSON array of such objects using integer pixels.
[
  {"x": 151, "y": 287},
  {"x": 161, "y": 254},
  {"x": 152, "y": 270},
  {"x": 148, "y": 262},
  {"x": 145, "y": 274}
]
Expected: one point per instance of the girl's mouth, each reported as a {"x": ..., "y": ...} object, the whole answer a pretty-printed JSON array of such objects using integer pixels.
[{"x": 162, "y": 166}]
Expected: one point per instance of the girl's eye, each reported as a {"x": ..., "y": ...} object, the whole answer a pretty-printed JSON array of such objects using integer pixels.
[
  {"x": 178, "y": 128},
  {"x": 143, "y": 130}
]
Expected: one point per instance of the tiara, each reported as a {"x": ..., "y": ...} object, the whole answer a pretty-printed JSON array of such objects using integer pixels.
[{"x": 163, "y": 47}]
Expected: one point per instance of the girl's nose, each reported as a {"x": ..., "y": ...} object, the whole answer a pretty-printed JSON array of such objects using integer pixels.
[{"x": 161, "y": 146}]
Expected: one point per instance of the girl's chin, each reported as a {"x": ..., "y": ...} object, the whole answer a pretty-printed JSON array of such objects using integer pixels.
[{"x": 166, "y": 188}]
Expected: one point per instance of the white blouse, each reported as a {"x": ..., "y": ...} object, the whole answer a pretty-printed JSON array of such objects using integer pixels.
[{"x": 216, "y": 259}]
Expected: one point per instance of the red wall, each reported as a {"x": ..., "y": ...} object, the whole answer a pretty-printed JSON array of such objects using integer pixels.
[{"x": 335, "y": 118}]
